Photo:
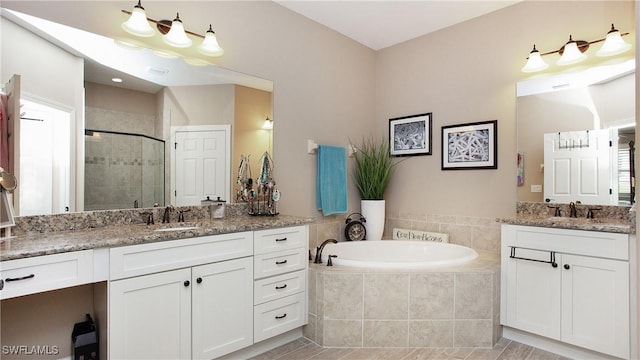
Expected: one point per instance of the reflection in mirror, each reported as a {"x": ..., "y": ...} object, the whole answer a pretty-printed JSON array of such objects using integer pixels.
[
  {"x": 600, "y": 98},
  {"x": 122, "y": 170},
  {"x": 156, "y": 94}
]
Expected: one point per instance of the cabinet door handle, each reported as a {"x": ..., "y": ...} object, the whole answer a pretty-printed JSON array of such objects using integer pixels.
[
  {"x": 281, "y": 316},
  {"x": 281, "y": 262},
  {"x": 30, "y": 276},
  {"x": 187, "y": 283},
  {"x": 199, "y": 280},
  {"x": 567, "y": 266},
  {"x": 282, "y": 239},
  {"x": 281, "y": 287}
]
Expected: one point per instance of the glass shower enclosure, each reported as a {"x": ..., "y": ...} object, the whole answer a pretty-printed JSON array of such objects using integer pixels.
[{"x": 123, "y": 170}]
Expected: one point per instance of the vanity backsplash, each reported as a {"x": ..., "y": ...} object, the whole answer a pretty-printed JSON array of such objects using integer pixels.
[
  {"x": 97, "y": 219},
  {"x": 619, "y": 212}
]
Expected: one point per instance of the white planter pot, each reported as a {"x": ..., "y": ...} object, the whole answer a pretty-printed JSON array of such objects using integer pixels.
[{"x": 374, "y": 212}]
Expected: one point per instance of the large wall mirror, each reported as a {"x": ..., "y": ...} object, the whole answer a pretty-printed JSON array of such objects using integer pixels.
[
  {"x": 119, "y": 156},
  {"x": 578, "y": 102}
]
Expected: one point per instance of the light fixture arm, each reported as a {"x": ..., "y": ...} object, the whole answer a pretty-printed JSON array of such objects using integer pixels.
[{"x": 588, "y": 43}]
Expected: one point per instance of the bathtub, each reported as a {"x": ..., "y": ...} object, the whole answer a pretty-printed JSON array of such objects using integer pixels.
[{"x": 398, "y": 254}]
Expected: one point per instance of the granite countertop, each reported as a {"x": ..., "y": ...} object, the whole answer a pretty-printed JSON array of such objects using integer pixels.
[
  {"x": 614, "y": 225},
  {"x": 38, "y": 244}
]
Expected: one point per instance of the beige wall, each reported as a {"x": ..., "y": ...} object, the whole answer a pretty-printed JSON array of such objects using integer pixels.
[
  {"x": 199, "y": 105},
  {"x": 252, "y": 107}
]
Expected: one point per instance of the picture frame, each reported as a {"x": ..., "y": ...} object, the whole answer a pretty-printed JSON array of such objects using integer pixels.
[
  {"x": 410, "y": 135},
  {"x": 470, "y": 146}
]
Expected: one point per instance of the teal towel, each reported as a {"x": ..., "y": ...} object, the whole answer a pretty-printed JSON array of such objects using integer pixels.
[{"x": 331, "y": 196}]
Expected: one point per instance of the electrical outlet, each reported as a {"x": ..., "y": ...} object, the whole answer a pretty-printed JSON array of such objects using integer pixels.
[{"x": 536, "y": 188}]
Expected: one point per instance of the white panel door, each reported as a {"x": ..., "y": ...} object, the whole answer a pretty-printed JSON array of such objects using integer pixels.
[
  {"x": 222, "y": 307},
  {"x": 595, "y": 304},
  {"x": 578, "y": 167},
  {"x": 201, "y": 166},
  {"x": 150, "y": 316}
]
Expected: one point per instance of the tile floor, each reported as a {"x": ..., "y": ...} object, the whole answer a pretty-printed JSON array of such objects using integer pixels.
[{"x": 303, "y": 349}]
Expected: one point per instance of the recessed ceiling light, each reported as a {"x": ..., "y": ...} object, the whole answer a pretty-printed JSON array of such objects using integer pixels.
[{"x": 116, "y": 80}]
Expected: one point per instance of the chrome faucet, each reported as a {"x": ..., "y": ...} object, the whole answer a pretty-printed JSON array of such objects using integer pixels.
[
  {"x": 165, "y": 217},
  {"x": 319, "y": 249}
]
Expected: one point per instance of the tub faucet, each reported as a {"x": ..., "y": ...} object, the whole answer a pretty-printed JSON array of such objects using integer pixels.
[{"x": 319, "y": 249}]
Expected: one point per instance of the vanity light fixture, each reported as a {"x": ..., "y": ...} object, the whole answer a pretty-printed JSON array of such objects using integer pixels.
[
  {"x": 613, "y": 44},
  {"x": 209, "y": 45},
  {"x": 137, "y": 24},
  {"x": 176, "y": 36},
  {"x": 573, "y": 51},
  {"x": 268, "y": 124},
  {"x": 174, "y": 33},
  {"x": 535, "y": 62}
]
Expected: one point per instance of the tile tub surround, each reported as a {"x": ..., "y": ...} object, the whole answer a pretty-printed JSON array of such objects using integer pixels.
[
  {"x": 478, "y": 233},
  {"x": 450, "y": 307}
]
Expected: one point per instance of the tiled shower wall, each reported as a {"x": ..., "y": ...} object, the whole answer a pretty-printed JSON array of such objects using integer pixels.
[
  {"x": 122, "y": 169},
  {"x": 478, "y": 233}
]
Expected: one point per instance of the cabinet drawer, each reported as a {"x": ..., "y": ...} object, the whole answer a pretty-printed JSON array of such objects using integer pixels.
[
  {"x": 278, "y": 316},
  {"x": 135, "y": 260},
  {"x": 266, "y": 241},
  {"x": 279, "y": 286},
  {"x": 44, "y": 273},
  {"x": 579, "y": 242},
  {"x": 279, "y": 262}
]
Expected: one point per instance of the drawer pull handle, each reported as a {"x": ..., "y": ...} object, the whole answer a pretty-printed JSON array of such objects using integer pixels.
[
  {"x": 552, "y": 259},
  {"x": 31, "y": 276},
  {"x": 199, "y": 280},
  {"x": 187, "y": 283},
  {"x": 567, "y": 266},
  {"x": 283, "y": 239},
  {"x": 281, "y": 316},
  {"x": 281, "y": 262},
  {"x": 281, "y": 287}
]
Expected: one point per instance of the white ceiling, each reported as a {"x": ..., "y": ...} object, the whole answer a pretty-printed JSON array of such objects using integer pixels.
[{"x": 380, "y": 24}]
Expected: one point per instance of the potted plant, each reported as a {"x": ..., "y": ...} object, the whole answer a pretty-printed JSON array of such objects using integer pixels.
[{"x": 372, "y": 173}]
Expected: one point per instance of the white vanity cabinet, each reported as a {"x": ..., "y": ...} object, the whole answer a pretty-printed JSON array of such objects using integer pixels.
[
  {"x": 280, "y": 263},
  {"x": 43, "y": 273},
  {"x": 567, "y": 285},
  {"x": 194, "y": 300}
]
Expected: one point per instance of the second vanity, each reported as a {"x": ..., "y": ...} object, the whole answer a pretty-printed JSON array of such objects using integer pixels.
[
  {"x": 197, "y": 290},
  {"x": 568, "y": 285}
]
